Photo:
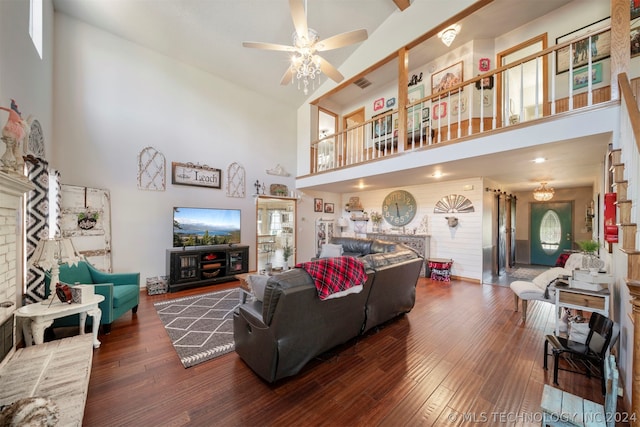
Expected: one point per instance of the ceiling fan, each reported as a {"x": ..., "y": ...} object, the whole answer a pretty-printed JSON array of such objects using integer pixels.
[{"x": 306, "y": 64}]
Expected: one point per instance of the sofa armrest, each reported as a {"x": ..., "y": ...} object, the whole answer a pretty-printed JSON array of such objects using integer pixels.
[{"x": 114, "y": 278}]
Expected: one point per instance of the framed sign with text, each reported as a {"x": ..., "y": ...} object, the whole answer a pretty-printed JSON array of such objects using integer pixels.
[{"x": 197, "y": 175}]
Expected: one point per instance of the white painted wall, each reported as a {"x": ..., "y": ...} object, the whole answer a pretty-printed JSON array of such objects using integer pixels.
[
  {"x": 114, "y": 98},
  {"x": 23, "y": 75},
  {"x": 461, "y": 243}
]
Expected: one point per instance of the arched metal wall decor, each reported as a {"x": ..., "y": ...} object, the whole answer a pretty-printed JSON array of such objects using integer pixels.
[
  {"x": 236, "y": 182},
  {"x": 152, "y": 168},
  {"x": 454, "y": 203}
]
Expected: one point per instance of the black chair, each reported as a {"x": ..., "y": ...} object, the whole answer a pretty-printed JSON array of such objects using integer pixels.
[{"x": 589, "y": 356}]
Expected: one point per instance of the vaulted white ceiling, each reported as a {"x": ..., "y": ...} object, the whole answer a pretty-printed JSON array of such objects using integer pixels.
[{"x": 208, "y": 34}]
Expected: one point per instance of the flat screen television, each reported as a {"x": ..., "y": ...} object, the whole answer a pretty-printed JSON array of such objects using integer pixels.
[{"x": 205, "y": 226}]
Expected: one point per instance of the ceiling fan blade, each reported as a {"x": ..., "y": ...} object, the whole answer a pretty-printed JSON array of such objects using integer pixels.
[
  {"x": 341, "y": 40},
  {"x": 288, "y": 76},
  {"x": 330, "y": 71},
  {"x": 268, "y": 46},
  {"x": 299, "y": 17}
]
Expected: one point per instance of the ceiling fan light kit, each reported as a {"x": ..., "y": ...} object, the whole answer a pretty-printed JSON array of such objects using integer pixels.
[
  {"x": 543, "y": 193},
  {"x": 306, "y": 65}
]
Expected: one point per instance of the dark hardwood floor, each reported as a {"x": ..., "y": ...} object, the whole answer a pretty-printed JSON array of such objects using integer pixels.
[{"x": 462, "y": 352}]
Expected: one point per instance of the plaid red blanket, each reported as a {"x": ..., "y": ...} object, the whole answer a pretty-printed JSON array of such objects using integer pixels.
[{"x": 333, "y": 275}]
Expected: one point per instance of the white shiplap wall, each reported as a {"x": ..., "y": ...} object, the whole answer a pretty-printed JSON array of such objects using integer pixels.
[{"x": 463, "y": 243}]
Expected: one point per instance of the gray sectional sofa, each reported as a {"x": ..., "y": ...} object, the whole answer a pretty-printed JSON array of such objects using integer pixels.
[{"x": 278, "y": 336}]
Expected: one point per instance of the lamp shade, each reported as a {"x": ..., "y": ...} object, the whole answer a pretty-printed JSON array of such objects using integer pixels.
[
  {"x": 49, "y": 254},
  {"x": 543, "y": 193},
  {"x": 342, "y": 222}
]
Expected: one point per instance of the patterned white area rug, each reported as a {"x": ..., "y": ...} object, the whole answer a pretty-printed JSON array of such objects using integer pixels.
[{"x": 200, "y": 327}]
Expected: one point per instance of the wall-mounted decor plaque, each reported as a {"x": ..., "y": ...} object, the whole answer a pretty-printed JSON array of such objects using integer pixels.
[{"x": 197, "y": 175}]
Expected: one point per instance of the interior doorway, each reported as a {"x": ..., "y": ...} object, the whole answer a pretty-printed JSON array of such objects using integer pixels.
[
  {"x": 353, "y": 139},
  {"x": 326, "y": 149}
]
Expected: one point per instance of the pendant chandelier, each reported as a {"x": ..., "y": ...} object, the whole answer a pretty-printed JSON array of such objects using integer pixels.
[
  {"x": 305, "y": 64},
  {"x": 543, "y": 193}
]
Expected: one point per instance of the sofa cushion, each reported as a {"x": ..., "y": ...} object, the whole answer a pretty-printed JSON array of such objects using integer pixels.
[
  {"x": 122, "y": 294},
  {"x": 379, "y": 260},
  {"x": 382, "y": 246},
  {"x": 527, "y": 290},
  {"x": 330, "y": 250},
  {"x": 352, "y": 246}
]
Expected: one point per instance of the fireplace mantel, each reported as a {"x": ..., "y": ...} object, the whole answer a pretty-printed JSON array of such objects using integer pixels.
[{"x": 12, "y": 190}]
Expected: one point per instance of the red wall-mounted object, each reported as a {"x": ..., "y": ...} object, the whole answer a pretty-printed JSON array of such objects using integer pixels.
[{"x": 610, "y": 227}]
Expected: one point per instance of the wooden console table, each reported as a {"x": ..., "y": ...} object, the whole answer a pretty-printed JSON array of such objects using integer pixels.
[
  {"x": 581, "y": 299},
  {"x": 418, "y": 242}
]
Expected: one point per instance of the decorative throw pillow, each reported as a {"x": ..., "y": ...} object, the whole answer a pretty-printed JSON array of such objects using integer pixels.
[
  {"x": 257, "y": 283},
  {"x": 330, "y": 250}
]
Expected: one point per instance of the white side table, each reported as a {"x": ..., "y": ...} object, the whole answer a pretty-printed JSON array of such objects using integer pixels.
[{"x": 39, "y": 317}]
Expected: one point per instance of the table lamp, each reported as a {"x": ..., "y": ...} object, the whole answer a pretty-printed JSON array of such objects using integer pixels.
[{"x": 49, "y": 254}]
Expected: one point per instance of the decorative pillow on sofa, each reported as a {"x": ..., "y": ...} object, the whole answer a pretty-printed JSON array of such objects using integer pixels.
[
  {"x": 330, "y": 250},
  {"x": 257, "y": 283}
]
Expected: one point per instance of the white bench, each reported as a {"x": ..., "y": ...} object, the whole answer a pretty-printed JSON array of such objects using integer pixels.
[
  {"x": 58, "y": 370},
  {"x": 560, "y": 408}
]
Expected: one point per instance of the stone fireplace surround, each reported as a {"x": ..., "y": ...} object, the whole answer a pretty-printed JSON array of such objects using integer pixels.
[{"x": 12, "y": 191}]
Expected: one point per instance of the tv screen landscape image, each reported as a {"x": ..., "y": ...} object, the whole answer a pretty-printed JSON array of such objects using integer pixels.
[{"x": 205, "y": 226}]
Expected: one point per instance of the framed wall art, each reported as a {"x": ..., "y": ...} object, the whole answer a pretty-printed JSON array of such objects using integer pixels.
[
  {"x": 440, "y": 111},
  {"x": 600, "y": 46},
  {"x": 447, "y": 78},
  {"x": 484, "y": 64},
  {"x": 635, "y": 8},
  {"x": 485, "y": 83},
  {"x": 317, "y": 205},
  {"x": 635, "y": 41},
  {"x": 382, "y": 124},
  {"x": 329, "y": 208},
  {"x": 581, "y": 76},
  {"x": 196, "y": 175},
  {"x": 378, "y": 104},
  {"x": 415, "y": 93}
]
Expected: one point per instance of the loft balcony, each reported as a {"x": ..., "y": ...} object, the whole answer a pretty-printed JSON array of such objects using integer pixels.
[{"x": 542, "y": 98}]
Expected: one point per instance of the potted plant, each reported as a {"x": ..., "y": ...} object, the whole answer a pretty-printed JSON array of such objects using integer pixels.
[
  {"x": 287, "y": 251},
  {"x": 590, "y": 260},
  {"x": 376, "y": 219}
]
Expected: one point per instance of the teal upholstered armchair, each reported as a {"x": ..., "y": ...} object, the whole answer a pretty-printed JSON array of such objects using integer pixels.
[{"x": 121, "y": 291}]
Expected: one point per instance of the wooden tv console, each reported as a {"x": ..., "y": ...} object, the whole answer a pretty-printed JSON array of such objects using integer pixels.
[{"x": 205, "y": 265}]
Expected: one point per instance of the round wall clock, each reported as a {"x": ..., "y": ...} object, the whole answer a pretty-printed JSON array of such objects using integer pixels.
[{"x": 399, "y": 208}]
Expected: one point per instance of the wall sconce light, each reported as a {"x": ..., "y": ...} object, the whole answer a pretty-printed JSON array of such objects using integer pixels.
[{"x": 449, "y": 34}]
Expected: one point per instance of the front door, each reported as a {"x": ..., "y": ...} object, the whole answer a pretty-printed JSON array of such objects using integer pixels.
[{"x": 551, "y": 231}]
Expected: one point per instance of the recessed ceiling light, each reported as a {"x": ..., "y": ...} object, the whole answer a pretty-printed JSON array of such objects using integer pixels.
[
  {"x": 437, "y": 175},
  {"x": 539, "y": 160}
]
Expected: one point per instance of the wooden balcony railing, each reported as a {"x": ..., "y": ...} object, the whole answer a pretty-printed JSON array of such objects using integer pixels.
[{"x": 471, "y": 108}]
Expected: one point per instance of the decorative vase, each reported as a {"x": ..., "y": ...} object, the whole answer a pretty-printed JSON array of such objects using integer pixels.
[{"x": 592, "y": 263}]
